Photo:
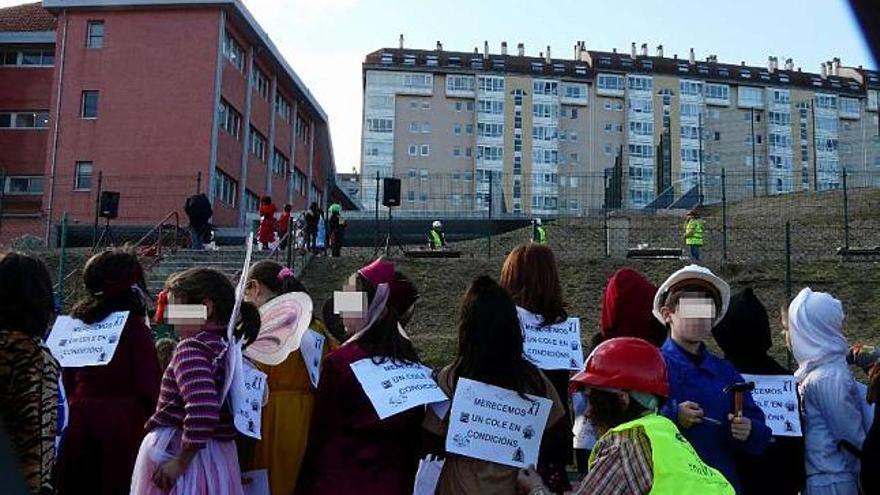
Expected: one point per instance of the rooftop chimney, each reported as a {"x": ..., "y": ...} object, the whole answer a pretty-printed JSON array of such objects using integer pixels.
[
  {"x": 633, "y": 49},
  {"x": 476, "y": 51},
  {"x": 660, "y": 51},
  {"x": 548, "y": 60},
  {"x": 583, "y": 54},
  {"x": 504, "y": 48},
  {"x": 742, "y": 63},
  {"x": 824, "y": 70},
  {"x": 614, "y": 50},
  {"x": 789, "y": 64},
  {"x": 770, "y": 64},
  {"x": 540, "y": 54},
  {"x": 521, "y": 49},
  {"x": 674, "y": 56},
  {"x": 644, "y": 49},
  {"x": 401, "y": 42},
  {"x": 836, "y": 66},
  {"x": 439, "y": 46},
  {"x": 486, "y": 49},
  {"x": 692, "y": 59}
]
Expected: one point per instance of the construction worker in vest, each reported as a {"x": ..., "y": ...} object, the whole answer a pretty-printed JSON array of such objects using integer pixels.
[
  {"x": 693, "y": 234},
  {"x": 539, "y": 233},
  {"x": 638, "y": 451},
  {"x": 436, "y": 237}
]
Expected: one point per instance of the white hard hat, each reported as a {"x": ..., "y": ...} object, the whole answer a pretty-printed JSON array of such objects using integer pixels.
[
  {"x": 693, "y": 272},
  {"x": 538, "y": 221},
  {"x": 436, "y": 224}
]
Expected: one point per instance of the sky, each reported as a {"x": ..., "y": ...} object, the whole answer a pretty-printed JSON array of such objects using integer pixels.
[{"x": 325, "y": 41}]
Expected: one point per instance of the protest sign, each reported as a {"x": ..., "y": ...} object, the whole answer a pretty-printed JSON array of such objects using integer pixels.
[
  {"x": 776, "y": 395},
  {"x": 552, "y": 347},
  {"x": 75, "y": 344},
  {"x": 248, "y": 398},
  {"x": 428, "y": 475},
  {"x": 311, "y": 346},
  {"x": 495, "y": 424},
  {"x": 396, "y": 387}
]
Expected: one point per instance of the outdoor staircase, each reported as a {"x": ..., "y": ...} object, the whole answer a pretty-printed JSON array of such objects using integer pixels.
[{"x": 228, "y": 260}]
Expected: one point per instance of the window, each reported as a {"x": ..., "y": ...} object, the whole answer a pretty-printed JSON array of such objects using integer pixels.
[
  {"x": 490, "y": 84},
  {"x": 488, "y": 129},
  {"x": 469, "y": 128},
  {"x": 381, "y": 125},
  {"x": 849, "y": 106},
  {"x": 225, "y": 188},
  {"x": 251, "y": 202},
  {"x": 751, "y": 97},
  {"x": 690, "y": 132},
  {"x": 83, "y": 176},
  {"x": 95, "y": 34},
  {"x": 608, "y": 149},
  {"x": 426, "y": 150},
  {"x": 470, "y": 106},
  {"x": 573, "y": 157},
  {"x": 261, "y": 83},
  {"x": 573, "y": 136},
  {"x": 426, "y": 105},
  {"x": 544, "y": 133},
  {"x": 456, "y": 129},
  {"x": 230, "y": 119},
  {"x": 89, "y": 105},
  {"x": 610, "y": 82},
  {"x": 24, "y": 120},
  {"x": 426, "y": 127},
  {"x": 574, "y": 113},
  {"x": 424, "y": 81},
  {"x": 28, "y": 57},
  {"x": 412, "y": 150},
  {"x": 690, "y": 155},
  {"x": 779, "y": 118},
  {"x": 717, "y": 92},
  {"x": 299, "y": 182},
  {"x": 780, "y": 96},
  {"x": 280, "y": 163},
  {"x": 640, "y": 83},
  {"x": 491, "y": 107},
  {"x": 690, "y": 109},
  {"x": 233, "y": 51},
  {"x": 490, "y": 153},
  {"x": 717, "y": 136},
  {"x": 547, "y": 88},
  {"x": 282, "y": 107},
  {"x": 413, "y": 127},
  {"x": 468, "y": 152},
  {"x": 258, "y": 144},
  {"x": 23, "y": 185},
  {"x": 575, "y": 91},
  {"x": 691, "y": 88},
  {"x": 639, "y": 128},
  {"x": 545, "y": 110},
  {"x": 642, "y": 150},
  {"x": 640, "y": 105},
  {"x": 456, "y": 151}
]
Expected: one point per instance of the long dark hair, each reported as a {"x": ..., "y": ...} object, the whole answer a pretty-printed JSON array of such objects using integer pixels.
[
  {"x": 531, "y": 276},
  {"x": 382, "y": 341},
  {"x": 198, "y": 284},
  {"x": 114, "y": 281},
  {"x": 26, "y": 302},
  {"x": 267, "y": 273},
  {"x": 490, "y": 342}
]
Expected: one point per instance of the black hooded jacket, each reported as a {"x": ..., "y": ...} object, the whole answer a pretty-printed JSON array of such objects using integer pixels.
[{"x": 744, "y": 336}]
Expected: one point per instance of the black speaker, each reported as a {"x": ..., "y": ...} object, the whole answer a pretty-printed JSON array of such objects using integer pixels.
[
  {"x": 391, "y": 192},
  {"x": 108, "y": 207}
]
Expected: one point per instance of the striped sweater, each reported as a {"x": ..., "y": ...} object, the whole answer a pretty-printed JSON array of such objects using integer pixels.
[{"x": 191, "y": 388}]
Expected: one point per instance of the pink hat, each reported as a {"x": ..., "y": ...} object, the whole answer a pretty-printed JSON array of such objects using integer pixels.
[{"x": 378, "y": 272}]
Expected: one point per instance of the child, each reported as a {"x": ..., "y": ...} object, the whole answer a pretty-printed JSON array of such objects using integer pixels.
[
  {"x": 690, "y": 303},
  {"x": 189, "y": 448},
  {"x": 266, "y": 234}
]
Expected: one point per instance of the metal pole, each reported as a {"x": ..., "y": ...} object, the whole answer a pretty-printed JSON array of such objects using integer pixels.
[
  {"x": 491, "y": 189},
  {"x": 815, "y": 157},
  {"x": 754, "y": 164},
  {"x": 97, "y": 209},
  {"x": 62, "y": 257},
  {"x": 376, "y": 243},
  {"x": 700, "y": 185},
  {"x": 845, "y": 213},
  {"x": 199, "y": 182},
  {"x": 723, "y": 216},
  {"x": 291, "y": 238},
  {"x": 605, "y": 229},
  {"x": 788, "y": 276}
]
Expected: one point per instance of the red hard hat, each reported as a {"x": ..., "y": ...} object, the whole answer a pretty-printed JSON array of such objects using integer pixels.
[{"x": 624, "y": 363}]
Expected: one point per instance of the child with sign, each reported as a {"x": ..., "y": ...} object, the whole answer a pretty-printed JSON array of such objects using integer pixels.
[
  {"x": 110, "y": 400},
  {"x": 287, "y": 414},
  {"x": 744, "y": 336},
  {"x": 350, "y": 448},
  {"x": 28, "y": 372},
  {"x": 490, "y": 351},
  {"x": 718, "y": 424},
  {"x": 189, "y": 448},
  {"x": 835, "y": 420},
  {"x": 531, "y": 276}
]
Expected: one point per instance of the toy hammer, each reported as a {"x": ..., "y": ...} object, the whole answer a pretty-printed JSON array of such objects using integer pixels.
[{"x": 738, "y": 390}]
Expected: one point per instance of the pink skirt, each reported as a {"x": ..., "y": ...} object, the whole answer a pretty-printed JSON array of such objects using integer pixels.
[{"x": 213, "y": 471}]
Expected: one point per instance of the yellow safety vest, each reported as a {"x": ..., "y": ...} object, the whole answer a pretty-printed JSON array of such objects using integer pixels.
[
  {"x": 434, "y": 236},
  {"x": 677, "y": 467},
  {"x": 540, "y": 235},
  {"x": 693, "y": 232}
]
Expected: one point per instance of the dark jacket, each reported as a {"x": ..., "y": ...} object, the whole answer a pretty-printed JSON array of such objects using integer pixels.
[
  {"x": 198, "y": 210},
  {"x": 744, "y": 336}
]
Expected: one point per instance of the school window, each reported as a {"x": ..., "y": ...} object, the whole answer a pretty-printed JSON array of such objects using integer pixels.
[
  {"x": 282, "y": 108},
  {"x": 82, "y": 176},
  {"x": 251, "y": 202},
  {"x": 261, "y": 83},
  {"x": 225, "y": 188},
  {"x": 89, "y": 105},
  {"x": 302, "y": 127},
  {"x": 230, "y": 119},
  {"x": 24, "y": 120},
  {"x": 233, "y": 51},
  {"x": 299, "y": 182},
  {"x": 258, "y": 144},
  {"x": 27, "y": 57},
  {"x": 95, "y": 34},
  {"x": 280, "y": 163},
  {"x": 23, "y": 185}
]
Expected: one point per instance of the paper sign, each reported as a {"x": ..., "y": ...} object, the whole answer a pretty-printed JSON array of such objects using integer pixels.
[
  {"x": 255, "y": 482},
  {"x": 427, "y": 476},
  {"x": 396, "y": 387},
  {"x": 248, "y": 398},
  {"x": 584, "y": 433},
  {"x": 75, "y": 344},
  {"x": 776, "y": 395},
  {"x": 552, "y": 347},
  {"x": 495, "y": 424},
  {"x": 312, "y": 347}
]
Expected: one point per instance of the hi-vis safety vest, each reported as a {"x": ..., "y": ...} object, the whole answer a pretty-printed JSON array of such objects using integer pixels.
[
  {"x": 693, "y": 232},
  {"x": 677, "y": 467},
  {"x": 540, "y": 234},
  {"x": 436, "y": 241}
]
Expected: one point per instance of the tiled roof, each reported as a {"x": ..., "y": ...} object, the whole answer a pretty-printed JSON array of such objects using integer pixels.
[{"x": 29, "y": 17}]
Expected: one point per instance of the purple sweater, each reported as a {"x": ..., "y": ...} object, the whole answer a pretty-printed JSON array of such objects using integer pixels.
[{"x": 191, "y": 388}]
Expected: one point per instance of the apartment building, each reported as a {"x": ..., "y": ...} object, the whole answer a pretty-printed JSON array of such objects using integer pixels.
[{"x": 564, "y": 136}]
